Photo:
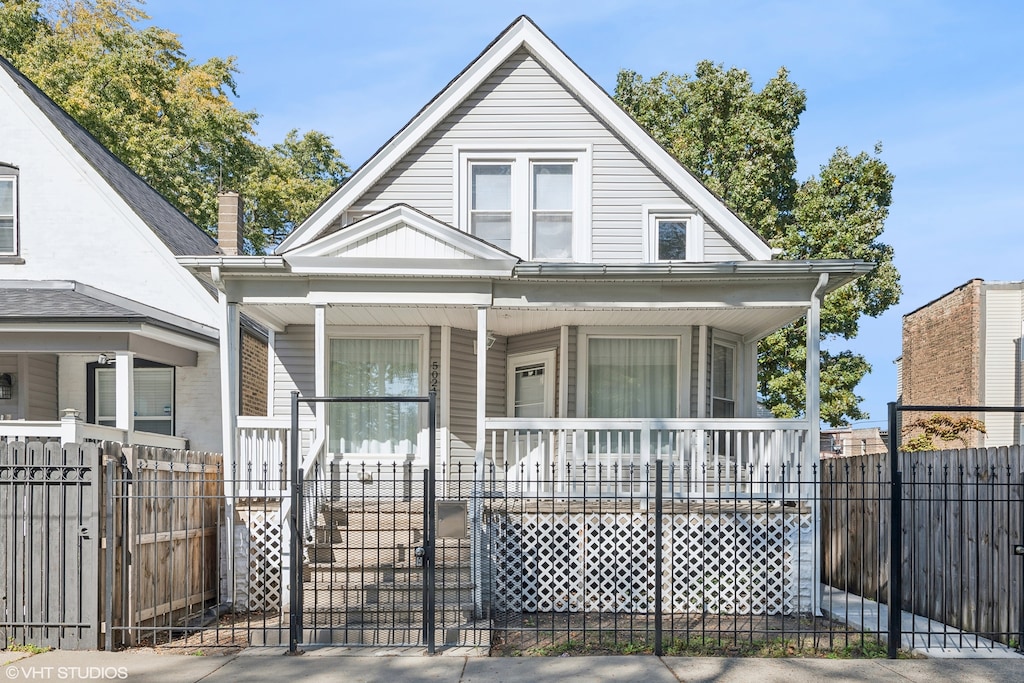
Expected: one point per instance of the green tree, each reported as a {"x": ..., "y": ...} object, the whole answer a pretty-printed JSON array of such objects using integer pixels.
[
  {"x": 739, "y": 143},
  {"x": 170, "y": 119}
]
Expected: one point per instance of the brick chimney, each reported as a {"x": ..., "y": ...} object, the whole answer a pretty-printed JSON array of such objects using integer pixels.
[{"x": 229, "y": 222}]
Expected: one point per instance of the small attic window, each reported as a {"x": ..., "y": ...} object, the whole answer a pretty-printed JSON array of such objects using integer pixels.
[
  {"x": 8, "y": 210},
  {"x": 673, "y": 235}
]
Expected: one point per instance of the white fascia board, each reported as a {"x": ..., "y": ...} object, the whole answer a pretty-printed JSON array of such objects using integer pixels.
[
  {"x": 384, "y": 267},
  {"x": 525, "y": 33},
  {"x": 410, "y": 298}
]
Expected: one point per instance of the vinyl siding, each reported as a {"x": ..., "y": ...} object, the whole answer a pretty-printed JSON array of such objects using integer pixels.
[
  {"x": 522, "y": 104},
  {"x": 9, "y": 365},
  {"x": 694, "y": 369},
  {"x": 42, "y": 386},
  {"x": 1003, "y": 312},
  {"x": 571, "y": 357},
  {"x": 463, "y": 383},
  {"x": 294, "y": 368}
]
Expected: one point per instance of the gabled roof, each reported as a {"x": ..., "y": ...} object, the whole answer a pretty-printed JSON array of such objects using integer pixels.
[
  {"x": 523, "y": 33},
  {"x": 400, "y": 240},
  {"x": 178, "y": 233}
]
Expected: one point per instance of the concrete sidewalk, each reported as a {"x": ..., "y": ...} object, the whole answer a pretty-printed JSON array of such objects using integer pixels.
[{"x": 351, "y": 666}]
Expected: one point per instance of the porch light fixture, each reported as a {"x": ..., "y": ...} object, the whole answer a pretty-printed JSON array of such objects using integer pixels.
[
  {"x": 490, "y": 341},
  {"x": 6, "y": 387},
  {"x": 105, "y": 359}
]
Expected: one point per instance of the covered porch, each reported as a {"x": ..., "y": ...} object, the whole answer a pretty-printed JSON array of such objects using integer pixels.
[{"x": 524, "y": 365}]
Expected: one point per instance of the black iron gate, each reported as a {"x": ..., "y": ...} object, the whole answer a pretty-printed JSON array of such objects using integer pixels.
[
  {"x": 363, "y": 544},
  {"x": 956, "y": 537}
]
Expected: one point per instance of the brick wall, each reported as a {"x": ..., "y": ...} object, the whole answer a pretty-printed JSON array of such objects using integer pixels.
[
  {"x": 942, "y": 352},
  {"x": 254, "y": 376}
]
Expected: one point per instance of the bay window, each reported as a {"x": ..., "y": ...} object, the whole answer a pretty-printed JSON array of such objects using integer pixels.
[{"x": 632, "y": 377}]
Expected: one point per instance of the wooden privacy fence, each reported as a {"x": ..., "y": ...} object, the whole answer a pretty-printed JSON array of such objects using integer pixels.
[
  {"x": 99, "y": 538},
  {"x": 962, "y": 516}
]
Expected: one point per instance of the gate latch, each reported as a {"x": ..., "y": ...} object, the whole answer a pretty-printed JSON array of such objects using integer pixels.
[
  {"x": 420, "y": 553},
  {"x": 1018, "y": 550}
]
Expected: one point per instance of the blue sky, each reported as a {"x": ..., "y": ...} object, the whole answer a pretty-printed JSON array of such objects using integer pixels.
[{"x": 940, "y": 83}]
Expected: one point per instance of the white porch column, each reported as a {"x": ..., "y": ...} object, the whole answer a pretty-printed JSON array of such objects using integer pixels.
[
  {"x": 233, "y": 586},
  {"x": 813, "y": 412},
  {"x": 481, "y": 387},
  {"x": 124, "y": 393}
]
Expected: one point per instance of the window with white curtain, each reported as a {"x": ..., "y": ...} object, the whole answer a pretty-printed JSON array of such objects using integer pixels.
[
  {"x": 374, "y": 367},
  {"x": 154, "y": 399},
  {"x": 632, "y": 377}
]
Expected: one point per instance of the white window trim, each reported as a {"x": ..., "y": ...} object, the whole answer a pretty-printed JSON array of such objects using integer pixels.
[
  {"x": 370, "y": 332},
  {"x": 521, "y": 156},
  {"x": 694, "y": 231},
  {"x": 730, "y": 341},
  {"x": 8, "y": 173},
  {"x": 137, "y": 372},
  {"x": 514, "y": 361},
  {"x": 681, "y": 335}
]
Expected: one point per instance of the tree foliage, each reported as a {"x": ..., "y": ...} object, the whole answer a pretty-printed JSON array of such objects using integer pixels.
[
  {"x": 945, "y": 428},
  {"x": 170, "y": 119},
  {"x": 740, "y": 143}
]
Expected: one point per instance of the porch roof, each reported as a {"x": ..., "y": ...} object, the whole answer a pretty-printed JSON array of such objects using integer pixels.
[
  {"x": 68, "y": 316},
  {"x": 751, "y": 299}
]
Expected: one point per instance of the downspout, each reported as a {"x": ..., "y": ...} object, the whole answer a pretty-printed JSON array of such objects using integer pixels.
[{"x": 813, "y": 413}]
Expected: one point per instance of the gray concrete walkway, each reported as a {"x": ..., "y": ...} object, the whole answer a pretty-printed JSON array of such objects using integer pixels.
[{"x": 349, "y": 666}]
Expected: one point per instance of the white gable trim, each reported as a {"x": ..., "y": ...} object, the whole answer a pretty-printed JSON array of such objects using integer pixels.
[
  {"x": 479, "y": 258},
  {"x": 524, "y": 33}
]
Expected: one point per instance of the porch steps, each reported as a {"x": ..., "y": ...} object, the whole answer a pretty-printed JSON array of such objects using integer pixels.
[{"x": 361, "y": 585}]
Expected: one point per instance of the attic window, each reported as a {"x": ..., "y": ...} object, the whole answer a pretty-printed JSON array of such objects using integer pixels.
[
  {"x": 8, "y": 211},
  {"x": 673, "y": 235},
  {"x": 530, "y": 203}
]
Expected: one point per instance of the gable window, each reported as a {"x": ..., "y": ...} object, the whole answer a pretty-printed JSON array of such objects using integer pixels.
[
  {"x": 154, "y": 396},
  {"x": 531, "y": 204},
  {"x": 8, "y": 211},
  {"x": 374, "y": 367},
  {"x": 673, "y": 235}
]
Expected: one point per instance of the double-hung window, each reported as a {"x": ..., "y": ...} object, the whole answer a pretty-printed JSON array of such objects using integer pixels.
[
  {"x": 154, "y": 397},
  {"x": 8, "y": 211},
  {"x": 531, "y": 204}
]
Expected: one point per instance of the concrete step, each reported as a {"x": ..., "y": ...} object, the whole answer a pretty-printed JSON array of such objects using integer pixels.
[
  {"x": 377, "y": 556},
  {"x": 369, "y": 538},
  {"x": 384, "y": 615},
  {"x": 380, "y": 595}
]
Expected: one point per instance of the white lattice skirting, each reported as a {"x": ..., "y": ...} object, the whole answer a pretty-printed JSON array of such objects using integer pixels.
[
  {"x": 259, "y": 558},
  {"x": 722, "y": 563}
]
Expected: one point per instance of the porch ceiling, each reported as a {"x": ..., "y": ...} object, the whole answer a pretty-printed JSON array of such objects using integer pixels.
[{"x": 750, "y": 323}]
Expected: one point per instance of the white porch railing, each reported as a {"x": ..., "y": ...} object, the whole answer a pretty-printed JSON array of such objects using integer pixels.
[
  {"x": 70, "y": 430},
  {"x": 702, "y": 457},
  {"x": 261, "y": 454}
]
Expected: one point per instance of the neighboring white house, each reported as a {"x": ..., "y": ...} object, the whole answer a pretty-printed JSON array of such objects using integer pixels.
[
  {"x": 526, "y": 249},
  {"x": 96, "y": 316}
]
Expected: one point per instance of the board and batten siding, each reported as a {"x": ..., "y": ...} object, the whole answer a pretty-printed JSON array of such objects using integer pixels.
[
  {"x": 523, "y": 104},
  {"x": 1003, "y": 313}
]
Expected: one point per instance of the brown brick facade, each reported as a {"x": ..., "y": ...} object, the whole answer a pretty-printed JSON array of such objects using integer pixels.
[
  {"x": 254, "y": 376},
  {"x": 942, "y": 352}
]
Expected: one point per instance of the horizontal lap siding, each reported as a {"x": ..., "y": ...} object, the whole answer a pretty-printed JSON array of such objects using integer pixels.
[
  {"x": 42, "y": 386},
  {"x": 294, "y": 368},
  {"x": 1002, "y": 329},
  {"x": 519, "y": 105},
  {"x": 463, "y": 388}
]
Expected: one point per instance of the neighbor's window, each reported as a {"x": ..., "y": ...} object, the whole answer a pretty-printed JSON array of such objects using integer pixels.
[
  {"x": 8, "y": 211},
  {"x": 154, "y": 399},
  {"x": 374, "y": 367}
]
